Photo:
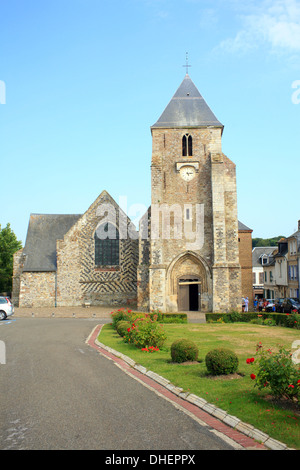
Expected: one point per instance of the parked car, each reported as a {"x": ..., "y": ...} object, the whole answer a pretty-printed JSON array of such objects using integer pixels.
[
  {"x": 278, "y": 304},
  {"x": 6, "y": 308},
  {"x": 288, "y": 305},
  {"x": 270, "y": 306}
]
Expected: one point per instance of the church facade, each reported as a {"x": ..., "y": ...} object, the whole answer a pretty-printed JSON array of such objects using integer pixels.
[{"x": 186, "y": 255}]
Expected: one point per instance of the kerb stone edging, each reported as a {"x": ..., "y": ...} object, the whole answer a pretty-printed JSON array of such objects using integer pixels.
[{"x": 211, "y": 409}]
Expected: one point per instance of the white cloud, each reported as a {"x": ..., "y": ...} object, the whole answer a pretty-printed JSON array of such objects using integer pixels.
[{"x": 275, "y": 23}]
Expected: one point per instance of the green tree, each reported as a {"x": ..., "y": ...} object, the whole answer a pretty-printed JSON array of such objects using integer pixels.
[
  {"x": 266, "y": 241},
  {"x": 8, "y": 246}
]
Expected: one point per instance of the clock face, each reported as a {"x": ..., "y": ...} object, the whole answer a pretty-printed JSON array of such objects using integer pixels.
[{"x": 187, "y": 173}]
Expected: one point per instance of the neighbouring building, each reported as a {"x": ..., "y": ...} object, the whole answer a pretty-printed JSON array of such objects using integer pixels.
[
  {"x": 269, "y": 276},
  {"x": 278, "y": 268},
  {"x": 190, "y": 252},
  {"x": 260, "y": 258},
  {"x": 281, "y": 269},
  {"x": 293, "y": 263},
  {"x": 245, "y": 255}
]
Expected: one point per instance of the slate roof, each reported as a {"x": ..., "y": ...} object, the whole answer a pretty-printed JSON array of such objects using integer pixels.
[
  {"x": 187, "y": 108},
  {"x": 40, "y": 245},
  {"x": 259, "y": 251},
  {"x": 243, "y": 227}
]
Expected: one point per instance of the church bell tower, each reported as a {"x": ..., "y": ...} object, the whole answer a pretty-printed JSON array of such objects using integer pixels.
[{"x": 193, "y": 231}]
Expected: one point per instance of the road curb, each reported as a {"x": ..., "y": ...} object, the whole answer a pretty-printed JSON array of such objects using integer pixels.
[{"x": 244, "y": 434}]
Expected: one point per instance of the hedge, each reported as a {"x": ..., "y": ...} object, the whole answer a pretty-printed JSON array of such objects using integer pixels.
[
  {"x": 281, "y": 319},
  {"x": 168, "y": 317}
]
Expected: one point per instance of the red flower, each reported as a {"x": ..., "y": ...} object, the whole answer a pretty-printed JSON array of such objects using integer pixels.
[
  {"x": 249, "y": 360},
  {"x": 253, "y": 376},
  {"x": 291, "y": 386}
]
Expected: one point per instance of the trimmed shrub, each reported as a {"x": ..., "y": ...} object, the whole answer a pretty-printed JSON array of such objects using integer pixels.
[
  {"x": 122, "y": 327},
  {"x": 184, "y": 350},
  {"x": 174, "y": 318},
  {"x": 221, "y": 361}
]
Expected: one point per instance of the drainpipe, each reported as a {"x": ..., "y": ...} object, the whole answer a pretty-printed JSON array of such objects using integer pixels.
[{"x": 55, "y": 300}]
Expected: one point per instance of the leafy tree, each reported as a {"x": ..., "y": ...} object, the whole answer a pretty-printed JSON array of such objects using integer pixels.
[
  {"x": 266, "y": 241},
  {"x": 8, "y": 246}
]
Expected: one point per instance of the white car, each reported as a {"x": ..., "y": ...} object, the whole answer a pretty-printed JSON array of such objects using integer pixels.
[{"x": 6, "y": 308}]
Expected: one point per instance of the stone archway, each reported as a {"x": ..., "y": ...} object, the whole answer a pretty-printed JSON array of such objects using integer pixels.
[{"x": 187, "y": 277}]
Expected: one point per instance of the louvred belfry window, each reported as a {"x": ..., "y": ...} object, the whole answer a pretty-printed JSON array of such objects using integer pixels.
[{"x": 106, "y": 245}]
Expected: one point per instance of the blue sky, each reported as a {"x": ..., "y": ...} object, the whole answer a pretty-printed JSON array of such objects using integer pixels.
[{"x": 85, "y": 79}]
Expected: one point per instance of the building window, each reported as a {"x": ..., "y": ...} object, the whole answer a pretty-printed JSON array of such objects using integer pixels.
[
  {"x": 293, "y": 273},
  {"x": 187, "y": 145},
  {"x": 106, "y": 249}
]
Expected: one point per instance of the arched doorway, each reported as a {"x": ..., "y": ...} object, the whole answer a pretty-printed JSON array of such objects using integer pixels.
[
  {"x": 189, "y": 294},
  {"x": 189, "y": 284}
]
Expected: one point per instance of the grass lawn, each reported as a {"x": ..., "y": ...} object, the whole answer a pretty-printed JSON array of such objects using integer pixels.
[{"x": 237, "y": 396}]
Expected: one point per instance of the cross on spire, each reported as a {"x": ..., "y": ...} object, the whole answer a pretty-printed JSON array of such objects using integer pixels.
[{"x": 186, "y": 63}]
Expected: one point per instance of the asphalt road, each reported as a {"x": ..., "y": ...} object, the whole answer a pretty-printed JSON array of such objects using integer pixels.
[{"x": 59, "y": 393}]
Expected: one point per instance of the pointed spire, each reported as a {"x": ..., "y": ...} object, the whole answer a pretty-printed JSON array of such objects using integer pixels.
[{"x": 187, "y": 108}]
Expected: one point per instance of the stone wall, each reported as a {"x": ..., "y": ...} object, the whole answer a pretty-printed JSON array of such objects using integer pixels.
[
  {"x": 37, "y": 289},
  {"x": 144, "y": 262},
  {"x": 18, "y": 261}
]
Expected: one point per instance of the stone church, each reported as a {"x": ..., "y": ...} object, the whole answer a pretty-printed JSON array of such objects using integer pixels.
[{"x": 190, "y": 252}]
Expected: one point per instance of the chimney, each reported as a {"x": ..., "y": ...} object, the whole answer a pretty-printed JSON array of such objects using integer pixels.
[{"x": 298, "y": 225}]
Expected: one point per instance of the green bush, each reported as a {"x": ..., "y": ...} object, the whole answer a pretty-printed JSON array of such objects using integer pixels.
[
  {"x": 120, "y": 314},
  {"x": 230, "y": 317},
  {"x": 122, "y": 327},
  {"x": 174, "y": 318},
  {"x": 277, "y": 371},
  {"x": 293, "y": 320},
  {"x": 221, "y": 361},
  {"x": 264, "y": 321},
  {"x": 184, "y": 350},
  {"x": 129, "y": 315},
  {"x": 145, "y": 332},
  {"x": 289, "y": 320}
]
